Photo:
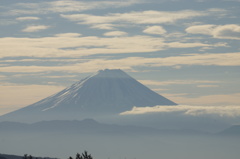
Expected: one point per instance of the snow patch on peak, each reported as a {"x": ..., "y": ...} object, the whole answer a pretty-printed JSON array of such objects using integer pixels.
[{"x": 111, "y": 73}]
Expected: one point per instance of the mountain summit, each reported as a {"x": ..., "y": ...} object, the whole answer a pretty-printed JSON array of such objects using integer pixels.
[{"x": 106, "y": 92}]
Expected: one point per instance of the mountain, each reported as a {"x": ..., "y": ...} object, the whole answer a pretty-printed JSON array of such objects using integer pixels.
[
  {"x": 104, "y": 93},
  {"x": 86, "y": 127}
]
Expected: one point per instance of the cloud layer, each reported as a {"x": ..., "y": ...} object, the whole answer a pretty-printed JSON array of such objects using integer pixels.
[
  {"x": 145, "y": 17},
  {"x": 155, "y": 30},
  {"x": 230, "y": 31},
  {"x": 35, "y": 28},
  {"x": 224, "y": 111},
  {"x": 228, "y": 59},
  {"x": 63, "y": 6}
]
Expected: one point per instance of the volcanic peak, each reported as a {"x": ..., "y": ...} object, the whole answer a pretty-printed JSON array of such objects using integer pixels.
[{"x": 111, "y": 73}]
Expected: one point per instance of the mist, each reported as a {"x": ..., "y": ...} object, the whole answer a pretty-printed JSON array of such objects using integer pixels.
[{"x": 121, "y": 146}]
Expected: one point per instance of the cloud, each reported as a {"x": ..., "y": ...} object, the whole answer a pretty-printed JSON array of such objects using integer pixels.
[
  {"x": 3, "y": 77},
  {"x": 92, "y": 65},
  {"x": 70, "y": 46},
  {"x": 74, "y": 45},
  {"x": 145, "y": 17},
  {"x": 104, "y": 26},
  {"x": 230, "y": 31},
  {"x": 201, "y": 29},
  {"x": 68, "y": 35},
  {"x": 35, "y": 28},
  {"x": 115, "y": 33},
  {"x": 207, "y": 86},
  {"x": 221, "y": 59},
  {"x": 217, "y": 99},
  {"x": 227, "y": 32},
  {"x": 68, "y": 76},
  {"x": 14, "y": 97},
  {"x": 155, "y": 30},
  {"x": 226, "y": 111},
  {"x": 89, "y": 66},
  {"x": 176, "y": 82},
  {"x": 186, "y": 45},
  {"x": 63, "y": 6},
  {"x": 27, "y": 18}
]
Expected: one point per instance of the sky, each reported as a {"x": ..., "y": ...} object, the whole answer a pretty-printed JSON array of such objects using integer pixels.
[{"x": 185, "y": 50}]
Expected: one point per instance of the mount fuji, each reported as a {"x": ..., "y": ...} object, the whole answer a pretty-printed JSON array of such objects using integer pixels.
[{"x": 106, "y": 92}]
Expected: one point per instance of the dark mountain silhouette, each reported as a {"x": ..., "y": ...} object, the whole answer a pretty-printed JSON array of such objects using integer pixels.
[
  {"x": 86, "y": 126},
  {"x": 106, "y": 92},
  {"x": 7, "y": 156}
]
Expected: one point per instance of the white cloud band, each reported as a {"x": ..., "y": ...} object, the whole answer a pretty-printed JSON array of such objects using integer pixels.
[
  {"x": 230, "y": 31},
  {"x": 35, "y": 28},
  {"x": 228, "y": 111},
  {"x": 226, "y": 59},
  {"x": 155, "y": 30}
]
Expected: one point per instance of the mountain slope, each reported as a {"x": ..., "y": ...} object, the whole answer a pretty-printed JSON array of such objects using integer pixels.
[{"x": 106, "y": 92}]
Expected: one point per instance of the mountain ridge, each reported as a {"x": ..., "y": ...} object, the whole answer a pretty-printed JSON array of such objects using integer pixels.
[
  {"x": 87, "y": 127},
  {"x": 103, "y": 93}
]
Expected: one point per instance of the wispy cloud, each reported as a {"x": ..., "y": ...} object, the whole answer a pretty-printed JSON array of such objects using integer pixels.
[
  {"x": 68, "y": 76},
  {"x": 63, "y": 6},
  {"x": 159, "y": 30},
  {"x": 177, "y": 82},
  {"x": 207, "y": 86},
  {"x": 230, "y": 31},
  {"x": 27, "y": 18},
  {"x": 214, "y": 99},
  {"x": 226, "y": 59},
  {"x": 115, "y": 33},
  {"x": 35, "y": 28},
  {"x": 228, "y": 111},
  {"x": 68, "y": 35},
  {"x": 3, "y": 77},
  {"x": 145, "y": 17},
  {"x": 74, "y": 45},
  {"x": 104, "y": 26},
  {"x": 201, "y": 29}
]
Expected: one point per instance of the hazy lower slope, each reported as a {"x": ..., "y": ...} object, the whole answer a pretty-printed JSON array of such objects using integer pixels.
[
  {"x": 106, "y": 92},
  {"x": 84, "y": 127}
]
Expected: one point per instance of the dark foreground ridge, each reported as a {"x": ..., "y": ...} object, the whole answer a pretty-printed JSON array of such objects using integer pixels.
[
  {"x": 7, "y": 156},
  {"x": 84, "y": 155},
  {"x": 106, "y": 92}
]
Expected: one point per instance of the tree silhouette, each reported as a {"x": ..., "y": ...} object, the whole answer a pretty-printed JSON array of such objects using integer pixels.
[
  {"x": 85, "y": 155},
  {"x": 78, "y": 156},
  {"x": 25, "y": 156}
]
